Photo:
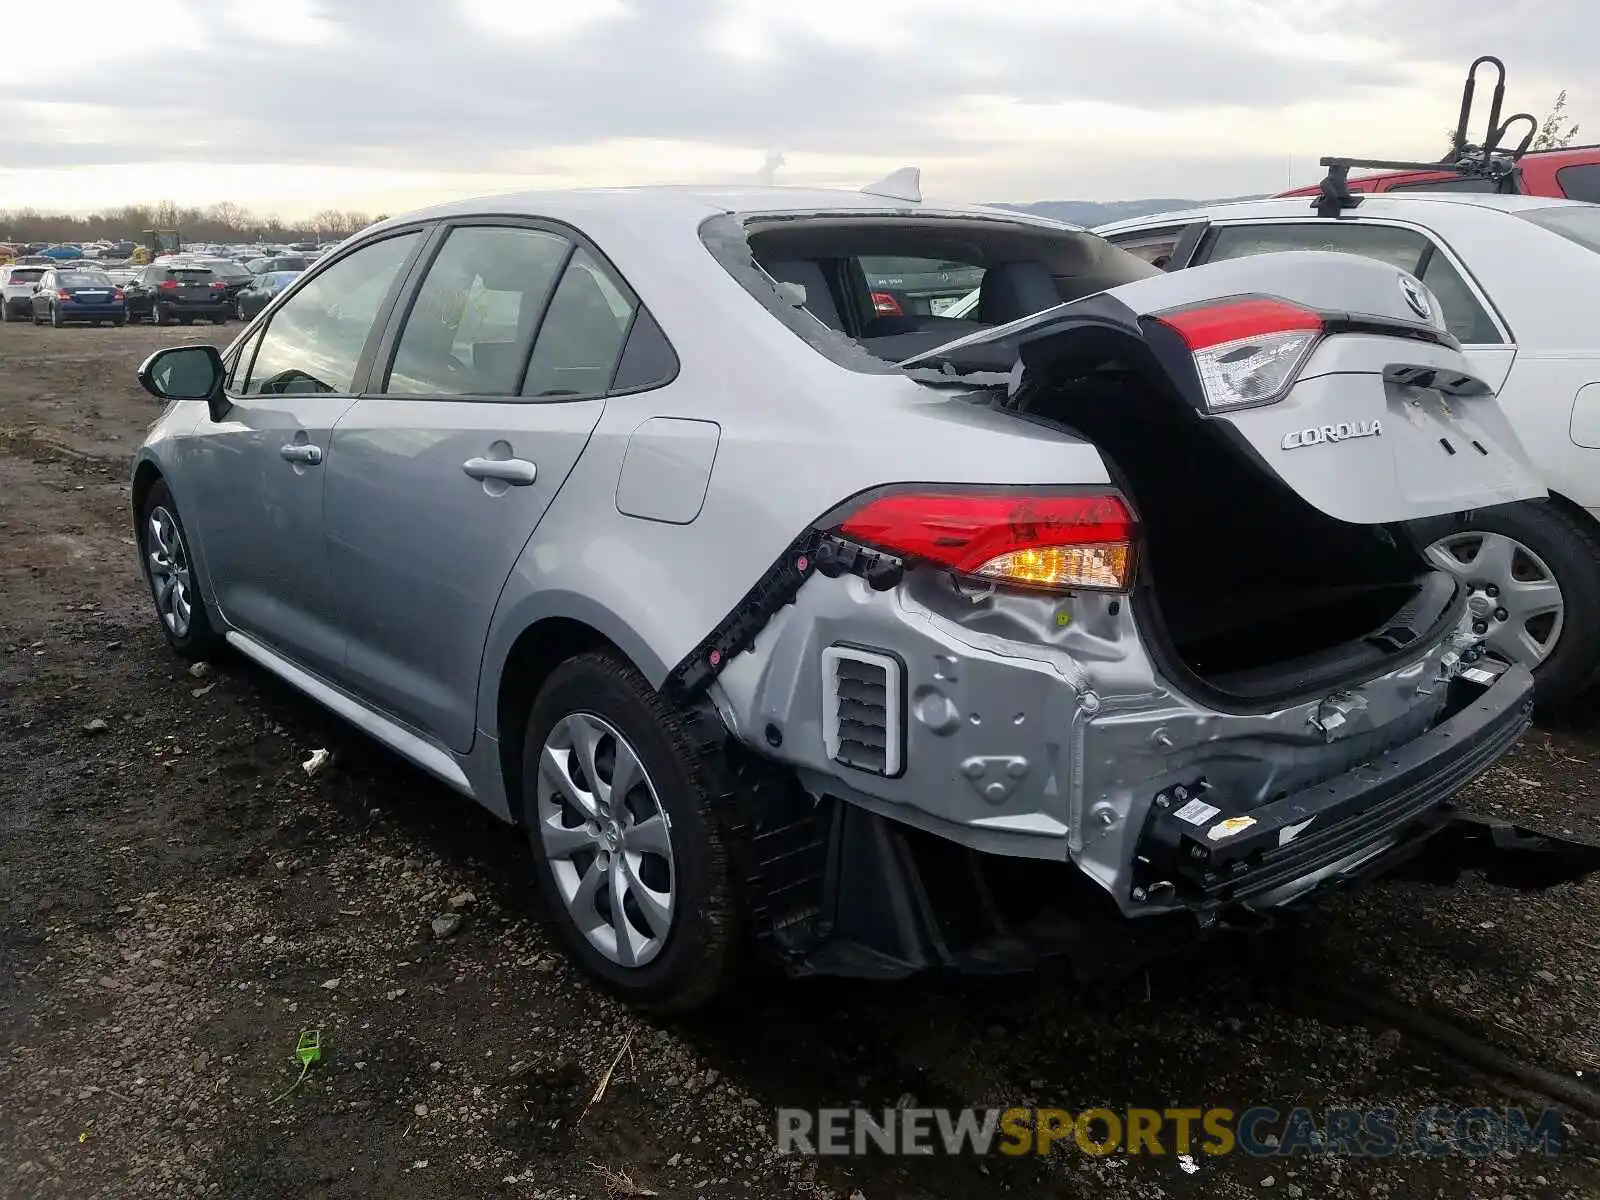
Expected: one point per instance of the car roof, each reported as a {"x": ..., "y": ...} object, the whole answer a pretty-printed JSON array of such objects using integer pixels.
[
  {"x": 693, "y": 203},
  {"x": 1415, "y": 206}
]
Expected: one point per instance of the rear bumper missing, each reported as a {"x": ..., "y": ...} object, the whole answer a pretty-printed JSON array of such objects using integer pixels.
[
  {"x": 1354, "y": 824},
  {"x": 863, "y": 895}
]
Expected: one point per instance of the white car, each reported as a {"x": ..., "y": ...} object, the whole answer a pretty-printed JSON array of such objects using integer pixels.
[
  {"x": 1516, "y": 278},
  {"x": 17, "y": 282}
]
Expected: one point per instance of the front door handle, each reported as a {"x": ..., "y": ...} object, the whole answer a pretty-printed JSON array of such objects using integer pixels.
[
  {"x": 518, "y": 472},
  {"x": 300, "y": 452}
]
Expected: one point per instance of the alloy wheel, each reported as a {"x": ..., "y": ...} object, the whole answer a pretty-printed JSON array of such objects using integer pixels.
[
  {"x": 1516, "y": 604},
  {"x": 607, "y": 839},
  {"x": 170, "y": 578}
]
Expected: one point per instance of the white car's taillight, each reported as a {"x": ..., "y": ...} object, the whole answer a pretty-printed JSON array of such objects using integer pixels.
[{"x": 1247, "y": 351}]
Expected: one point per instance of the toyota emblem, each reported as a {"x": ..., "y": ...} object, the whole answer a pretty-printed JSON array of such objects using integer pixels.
[{"x": 1416, "y": 297}]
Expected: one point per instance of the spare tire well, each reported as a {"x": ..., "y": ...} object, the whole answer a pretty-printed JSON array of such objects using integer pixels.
[{"x": 538, "y": 651}]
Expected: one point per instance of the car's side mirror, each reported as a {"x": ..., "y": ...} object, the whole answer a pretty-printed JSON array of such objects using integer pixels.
[{"x": 187, "y": 373}]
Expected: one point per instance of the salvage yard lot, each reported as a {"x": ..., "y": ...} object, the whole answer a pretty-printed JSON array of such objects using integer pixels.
[{"x": 178, "y": 899}]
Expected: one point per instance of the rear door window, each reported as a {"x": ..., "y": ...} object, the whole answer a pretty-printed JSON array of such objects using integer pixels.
[
  {"x": 472, "y": 323},
  {"x": 581, "y": 337},
  {"x": 1581, "y": 182},
  {"x": 1408, "y": 249},
  {"x": 316, "y": 339}
]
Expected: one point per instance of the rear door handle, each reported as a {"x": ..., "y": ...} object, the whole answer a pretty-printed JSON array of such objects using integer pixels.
[
  {"x": 518, "y": 472},
  {"x": 300, "y": 452}
]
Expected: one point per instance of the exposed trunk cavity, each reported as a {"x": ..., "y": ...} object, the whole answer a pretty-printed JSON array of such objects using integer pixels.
[{"x": 1245, "y": 590}]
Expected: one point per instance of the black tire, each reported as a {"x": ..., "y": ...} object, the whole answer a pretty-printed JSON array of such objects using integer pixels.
[
  {"x": 186, "y": 320},
  {"x": 220, "y": 319},
  {"x": 703, "y": 949},
  {"x": 1572, "y": 553},
  {"x": 159, "y": 314},
  {"x": 55, "y": 318},
  {"x": 119, "y": 322},
  {"x": 201, "y": 639}
]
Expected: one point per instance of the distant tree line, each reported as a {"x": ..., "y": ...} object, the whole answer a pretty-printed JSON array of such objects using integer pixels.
[{"x": 226, "y": 222}]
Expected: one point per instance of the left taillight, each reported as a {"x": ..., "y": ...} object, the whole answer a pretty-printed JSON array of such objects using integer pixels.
[
  {"x": 885, "y": 305},
  {"x": 63, "y": 294},
  {"x": 118, "y": 294},
  {"x": 1062, "y": 542},
  {"x": 1247, "y": 351}
]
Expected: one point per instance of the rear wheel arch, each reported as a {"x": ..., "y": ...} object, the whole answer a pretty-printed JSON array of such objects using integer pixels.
[{"x": 535, "y": 654}]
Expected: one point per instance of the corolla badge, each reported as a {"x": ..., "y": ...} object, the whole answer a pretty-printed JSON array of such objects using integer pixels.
[
  {"x": 1416, "y": 297},
  {"x": 1319, "y": 434}
]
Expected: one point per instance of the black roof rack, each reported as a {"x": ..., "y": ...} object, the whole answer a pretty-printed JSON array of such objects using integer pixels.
[{"x": 1487, "y": 161}]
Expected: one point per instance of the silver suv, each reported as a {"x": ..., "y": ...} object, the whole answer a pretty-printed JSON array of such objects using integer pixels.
[{"x": 874, "y": 640}]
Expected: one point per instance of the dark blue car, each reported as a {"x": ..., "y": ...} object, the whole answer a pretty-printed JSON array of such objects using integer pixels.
[{"x": 68, "y": 294}]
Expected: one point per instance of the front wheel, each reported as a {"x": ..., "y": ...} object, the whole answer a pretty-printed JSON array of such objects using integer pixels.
[
  {"x": 1533, "y": 575},
  {"x": 169, "y": 570},
  {"x": 619, "y": 805}
]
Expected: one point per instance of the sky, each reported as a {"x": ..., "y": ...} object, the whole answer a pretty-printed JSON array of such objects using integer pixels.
[{"x": 291, "y": 106}]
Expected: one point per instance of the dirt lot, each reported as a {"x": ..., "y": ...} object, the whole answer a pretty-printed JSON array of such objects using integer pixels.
[{"x": 178, "y": 900}]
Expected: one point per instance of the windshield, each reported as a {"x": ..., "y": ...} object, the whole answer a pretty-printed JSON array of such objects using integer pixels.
[{"x": 1577, "y": 223}]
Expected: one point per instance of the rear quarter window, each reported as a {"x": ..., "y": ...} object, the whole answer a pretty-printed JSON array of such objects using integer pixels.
[
  {"x": 1580, "y": 182},
  {"x": 1577, "y": 223}
]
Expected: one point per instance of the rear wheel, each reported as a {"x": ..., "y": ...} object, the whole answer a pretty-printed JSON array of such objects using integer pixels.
[
  {"x": 619, "y": 806},
  {"x": 159, "y": 314},
  {"x": 220, "y": 319},
  {"x": 186, "y": 320},
  {"x": 1534, "y": 577},
  {"x": 164, "y": 556},
  {"x": 55, "y": 317}
]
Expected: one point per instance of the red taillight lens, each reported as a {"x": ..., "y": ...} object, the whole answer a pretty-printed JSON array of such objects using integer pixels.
[
  {"x": 168, "y": 285},
  {"x": 118, "y": 294},
  {"x": 885, "y": 305},
  {"x": 63, "y": 294},
  {"x": 218, "y": 286},
  {"x": 1040, "y": 541},
  {"x": 1247, "y": 351}
]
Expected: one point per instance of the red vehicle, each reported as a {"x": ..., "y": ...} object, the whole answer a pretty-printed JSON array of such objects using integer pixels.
[{"x": 1571, "y": 173}]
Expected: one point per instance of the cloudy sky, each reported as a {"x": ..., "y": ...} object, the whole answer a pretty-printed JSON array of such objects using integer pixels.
[{"x": 290, "y": 106}]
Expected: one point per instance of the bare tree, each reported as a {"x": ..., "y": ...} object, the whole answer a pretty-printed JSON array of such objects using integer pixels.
[
  {"x": 234, "y": 216},
  {"x": 1557, "y": 130}
]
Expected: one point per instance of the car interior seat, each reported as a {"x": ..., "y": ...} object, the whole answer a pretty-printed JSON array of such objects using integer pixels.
[
  {"x": 819, "y": 297},
  {"x": 1011, "y": 291}
]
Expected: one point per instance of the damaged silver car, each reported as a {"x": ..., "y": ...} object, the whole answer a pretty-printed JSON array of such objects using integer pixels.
[{"x": 876, "y": 639}]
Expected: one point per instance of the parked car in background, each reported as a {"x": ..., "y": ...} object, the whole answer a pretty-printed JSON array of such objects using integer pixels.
[
  {"x": 280, "y": 262},
  {"x": 17, "y": 282},
  {"x": 1571, "y": 173},
  {"x": 248, "y": 303},
  {"x": 1512, "y": 275},
  {"x": 514, "y": 486},
  {"x": 77, "y": 295},
  {"x": 164, "y": 293},
  {"x": 920, "y": 287}
]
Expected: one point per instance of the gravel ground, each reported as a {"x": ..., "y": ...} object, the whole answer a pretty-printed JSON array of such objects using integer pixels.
[{"x": 178, "y": 899}]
